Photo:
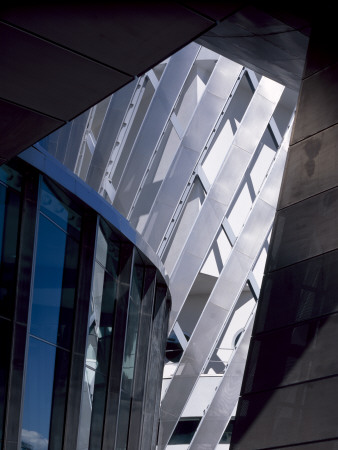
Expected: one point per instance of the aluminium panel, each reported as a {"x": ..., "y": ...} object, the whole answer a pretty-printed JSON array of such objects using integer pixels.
[
  {"x": 317, "y": 106},
  {"x": 108, "y": 134},
  {"x": 217, "y": 310},
  {"x": 221, "y": 194},
  {"x": 310, "y": 286},
  {"x": 304, "y": 230},
  {"x": 196, "y": 136},
  {"x": 290, "y": 355},
  {"x": 153, "y": 124},
  {"x": 301, "y": 413},
  {"x": 218, "y": 414},
  {"x": 259, "y": 111},
  {"x": 312, "y": 167}
]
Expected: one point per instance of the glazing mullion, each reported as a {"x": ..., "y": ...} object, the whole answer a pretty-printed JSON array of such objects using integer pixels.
[
  {"x": 128, "y": 367},
  {"x": 85, "y": 273},
  {"x": 152, "y": 394},
  {"x": 142, "y": 357},
  {"x": 25, "y": 252},
  {"x": 116, "y": 357}
]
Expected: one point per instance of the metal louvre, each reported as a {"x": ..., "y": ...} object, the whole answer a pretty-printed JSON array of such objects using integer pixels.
[
  {"x": 220, "y": 303},
  {"x": 198, "y": 131},
  {"x": 219, "y": 412},
  {"x": 153, "y": 125},
  {"x": 219, "y": 197}
]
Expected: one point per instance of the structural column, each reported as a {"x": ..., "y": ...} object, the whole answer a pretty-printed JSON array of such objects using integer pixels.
[{"x": 290, "y": 388}]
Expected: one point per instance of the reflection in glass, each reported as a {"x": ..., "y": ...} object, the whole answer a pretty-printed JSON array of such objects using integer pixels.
[
  {"x": 99, "y": 347},
  {"x": 107, "y": 249},
  {"x": 38, "y": 395},
  {"x": 9, "y": 228},
  {"x": 45, "y": 396},
  {"x": 58, "y": 207},
  {"x": 184, "y": 431},
  {"x": 5, "y": 332},
  {"x": 54, "y": 284},
  {"x": 11, "y": 177},
  {"x": 100, "y": 330},
  {"x": 129, "y": 356}
]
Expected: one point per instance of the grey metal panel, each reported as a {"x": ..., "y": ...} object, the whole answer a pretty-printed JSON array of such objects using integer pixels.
[
  {"x": 310, "y": 286},
  {"x": 217, "y": 310},
  {"x": 201, "y": 342},
  {"x": 157, "y": 115},
  {"x": 219, "y": 412},
  {"x": 222, "y": 191},
  {"x": 231, "y": 173},
  {"x": 271, "y": 190},
  {"x": 304, "y": 230},
  {"x": 110, "y": 127},
  {"x": 248, "y": 35},
  {"x": 175, "y": 181},
  {"x": 12, "y": 428},
  {"x": 154, "y": 175},
  {"x": 323, "y": 445},
  {"x": 207, "y": 112},
  {"x": 311, "y": 168},
  {"x": 63, "y": 87},
  {"x": 287, "y": 355},
  {"x": 259, "y": 111},
  {"x": 74, "y": 141},
  {"x": 300, "y": 413},
  {"x": 317, "y": 106}
]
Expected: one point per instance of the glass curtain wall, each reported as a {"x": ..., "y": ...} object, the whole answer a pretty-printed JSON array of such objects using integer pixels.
[
  {"x": 77, "y": 308},
  {"x": 10, "y": 200},
  {"x": 100, "y": 334},
  {"x": 51, "y": 324},
  {"x": 130, "y": 352}
]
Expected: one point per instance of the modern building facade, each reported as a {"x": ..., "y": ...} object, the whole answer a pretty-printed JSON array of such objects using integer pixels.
[
  {"x": 80, "y": 303},
  {"x": 280, "y": 407},
  {"x": 192, "y": 154}
]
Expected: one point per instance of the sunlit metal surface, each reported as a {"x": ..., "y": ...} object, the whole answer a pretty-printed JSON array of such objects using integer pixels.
[
  {"x": 191, "y": 154},
  {"x": 217, "y": 91},
  {"x": 218, "y": 308},
  {"x": 219, "y": 411},
  {"x": 221, "y": 193}
]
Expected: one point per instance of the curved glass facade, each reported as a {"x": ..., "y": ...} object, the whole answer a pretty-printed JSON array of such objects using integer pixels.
[{"x": 79, "y": 303}]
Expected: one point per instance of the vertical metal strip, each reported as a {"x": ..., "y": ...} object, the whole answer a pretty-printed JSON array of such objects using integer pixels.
[
  {"x": 154, "y": 373},
  {"x": 12, "y": 428},
  {"x": 142, "y": 358},
  {"x": 117, "y": 348},
  {"x": 77, "y": 362}
]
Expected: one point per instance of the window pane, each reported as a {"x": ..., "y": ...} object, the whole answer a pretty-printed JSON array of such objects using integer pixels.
[
  {"x": 9, "y": 228},
  {"x": 58, "y": 207},
  {"x": 11, "y": 177},
  {"x": 99, "y": 349},
  {"x": 45, "y": 396},
  {"x": 129, "y": 356},
  {"x": 101, "y": 319},
  {"x": 5, "y": 337},
  {"x": 184, "y": 431},
  {"x": 54, "y": 284},
  {"x": 107, "y": 249},
  {"x": 38, "y": 395}
]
